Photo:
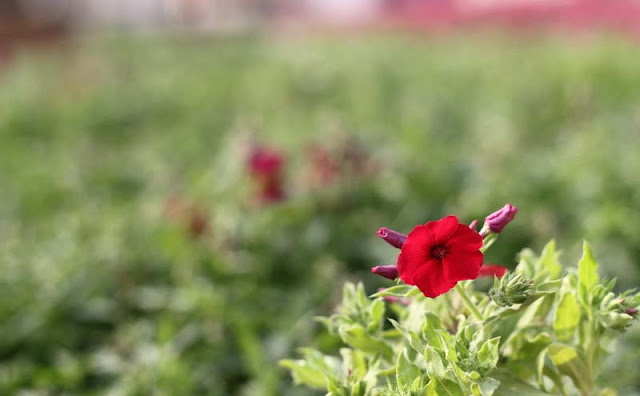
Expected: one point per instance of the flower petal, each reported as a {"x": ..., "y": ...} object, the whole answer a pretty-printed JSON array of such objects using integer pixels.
[
  {"x": 460, "y": 266},
  {"x": 443, "y": 229},
  {"x": 493, "y": 270},
  {"x": 464, "y": 239},
  {"x": 415, "y": 250},
  {"x": 431, "y": 280}
]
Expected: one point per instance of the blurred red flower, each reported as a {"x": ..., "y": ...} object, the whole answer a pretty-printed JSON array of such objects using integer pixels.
[
  {"x": 439, "y": 254},
  {"x": 265, "y": 166},
  {"x": 493, "y": 270}
]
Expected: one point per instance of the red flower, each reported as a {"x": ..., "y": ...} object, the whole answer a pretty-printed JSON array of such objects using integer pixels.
[
  {"x": 264, "y": 161},
  {"x": 493, "y": 270},
  {"x": 265, "y": 166},
  {"x": 439, "y": 254}
]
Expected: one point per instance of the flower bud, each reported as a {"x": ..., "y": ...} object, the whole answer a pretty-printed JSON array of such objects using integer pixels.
[
  {"x": 631, "y": 312},
  {"x": 394, "y": 299},
  {"x": 386, "y": 271},
  {"x": 616, "y": 321},
  {"x": 510, "y": 290},
  {"x": 393, "y": 238},
  {"x": 474, "y": 225},
  {"x": 499, "y": 219}
]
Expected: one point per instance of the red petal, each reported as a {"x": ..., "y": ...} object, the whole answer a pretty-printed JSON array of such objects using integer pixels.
[
  {"x": 491, "y": 270},
  {"x": 443, "y": 229},
  {"x": 415, "y": 250},
  {"x": 464, "y": 240},
  {"x": 460, "y": 266},
  {"x": 431, "y": 280}
]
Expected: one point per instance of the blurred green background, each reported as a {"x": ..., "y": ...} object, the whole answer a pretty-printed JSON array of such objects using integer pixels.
[{"x": 105, "y": 290}]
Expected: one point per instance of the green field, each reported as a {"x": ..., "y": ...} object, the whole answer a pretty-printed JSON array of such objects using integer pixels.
[{"x": 101, "y": 293}]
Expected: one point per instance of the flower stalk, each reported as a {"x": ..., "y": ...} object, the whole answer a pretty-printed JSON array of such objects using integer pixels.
[{"x": 467, "y": 301}]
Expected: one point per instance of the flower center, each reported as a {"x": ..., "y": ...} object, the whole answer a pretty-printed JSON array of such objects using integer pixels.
[{"x": 438, "y": 251}]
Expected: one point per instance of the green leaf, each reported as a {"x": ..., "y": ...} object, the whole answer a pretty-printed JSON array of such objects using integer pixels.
[
  {"x": 488, "y": 353},
  {"x": 376, "y": 311},
  {"x": 548, "y": 287},
  {"x": 532, "y": 345},
  {"x": 510, "y": 387},
  {"x": 587, "y": 273},
  {"x": 549, "y": 260},
  {"x": 354, "y": 361},
  {"x": 303, "y": 373},
  {"x": 540, "y": 365},
  {"x": 487, "y": 387},
  {"x": 432, "y": 323},
  {"x": 443, "y": 388},
  {"x": 435, "y": 365},
  {"x": 567, "y": 317},
  {"x": 395, "y": 291},
  {"x": 414, "y": 340},
  {"x": 357, "y": 337},
  {"x": 406, "y": 372},
  {"x": 569, "y": 363},
  {"x": 529, "y": 314}
]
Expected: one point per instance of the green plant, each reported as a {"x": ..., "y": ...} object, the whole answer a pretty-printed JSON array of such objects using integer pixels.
[{"x": 540, "y": 330}]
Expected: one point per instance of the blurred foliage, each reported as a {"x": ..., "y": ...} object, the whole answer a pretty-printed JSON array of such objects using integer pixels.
[{"x": 103, "y": 293}]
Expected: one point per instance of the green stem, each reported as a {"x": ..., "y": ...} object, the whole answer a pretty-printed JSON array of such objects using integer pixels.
[{"x": 467, "y": 301}]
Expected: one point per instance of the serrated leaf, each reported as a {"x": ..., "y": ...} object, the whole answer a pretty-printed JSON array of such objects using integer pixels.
[
  {"x": 567, "y": 317},
  {"x": 587, "y": 273},
  {"x": 406, "y": 372}
]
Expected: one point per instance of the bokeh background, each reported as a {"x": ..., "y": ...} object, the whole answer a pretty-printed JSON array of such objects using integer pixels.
[{"x": 185, "y": 184}]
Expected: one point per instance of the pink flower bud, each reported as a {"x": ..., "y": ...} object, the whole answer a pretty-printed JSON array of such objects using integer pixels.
[
  {"x": 386, "y": 271},
  {"x": 474, "y": 225},
  {"x": 394, "y": 299},
  {"x": 499, "y": 219},
  {"x": 393, "y": 238}
]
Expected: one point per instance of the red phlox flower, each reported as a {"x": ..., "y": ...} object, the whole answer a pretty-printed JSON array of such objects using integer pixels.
[
  {"x": 264, "y": 161},
  {"x": 439, "y": 254},
  {"x": 493, "y": 270},
  {"x": 265, "y": 166}
]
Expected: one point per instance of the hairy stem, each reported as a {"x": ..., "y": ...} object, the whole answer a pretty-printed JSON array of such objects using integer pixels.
[{"x": 467, "y": 301}]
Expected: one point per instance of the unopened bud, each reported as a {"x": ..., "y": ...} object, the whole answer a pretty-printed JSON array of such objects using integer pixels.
[
  {"x": 499, "y": 219},
  {"x": 510, "y": 290},
  {"x": 394, "y": 299},
  {"x": 631, "y": 312},
  {"x": 474, "y": 225},
  {"x": 386, "y": 271},
  {"x": 616, "y": 321},
  {"x": 393, "y": 238}
]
